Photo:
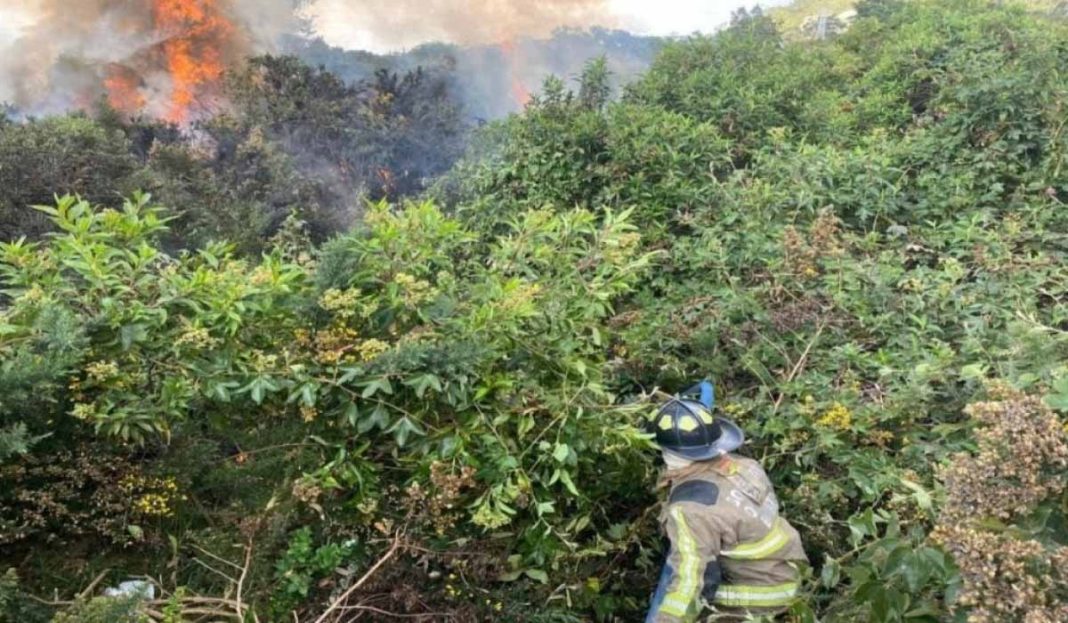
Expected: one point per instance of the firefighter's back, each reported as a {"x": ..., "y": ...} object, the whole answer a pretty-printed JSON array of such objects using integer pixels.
[{"x": 759, "y": 549}]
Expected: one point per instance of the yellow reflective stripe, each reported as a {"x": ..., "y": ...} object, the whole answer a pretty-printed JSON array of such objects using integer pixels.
[
  {"x": 674, "y": 608},
  {"x": 773, "y": 541},
  {"x": 756, "y": 596},
  {"x": 679, "y": 601}
]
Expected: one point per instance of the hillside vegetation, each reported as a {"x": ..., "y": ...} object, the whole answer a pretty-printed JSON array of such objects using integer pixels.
[
  {"x": 435, "y": 414},
  {"x": 794, "y": 15}
]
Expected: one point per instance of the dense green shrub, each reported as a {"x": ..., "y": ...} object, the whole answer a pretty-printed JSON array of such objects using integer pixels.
[
  {"x": 60, "y": 155},
  {"x": 410, "y": 350},
  {"x": 879, "y": 250},
  {"x": 293, "y": 140}
]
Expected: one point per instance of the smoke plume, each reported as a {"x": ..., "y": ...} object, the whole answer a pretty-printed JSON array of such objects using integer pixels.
[
  {"x": 389, "y": 25},
  {"x": 160, "y": 57},
  {"x": 165, "y": 58}
]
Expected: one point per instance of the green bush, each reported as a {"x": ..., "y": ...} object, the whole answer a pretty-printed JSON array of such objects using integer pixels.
[{"x": 409, "y": 349}]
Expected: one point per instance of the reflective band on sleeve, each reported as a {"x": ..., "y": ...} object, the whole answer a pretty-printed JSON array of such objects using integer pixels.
[
  {"x": 739, "y": 596},
  {"x": 773, "y": 541},
  {"x": 680, "y": 601}
]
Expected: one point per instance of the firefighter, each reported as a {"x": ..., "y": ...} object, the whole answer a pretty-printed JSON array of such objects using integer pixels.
[{"x": 732, "y": 555}]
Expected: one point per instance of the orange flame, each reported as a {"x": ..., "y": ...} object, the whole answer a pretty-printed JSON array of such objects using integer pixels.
[
  {"x": 520, "y": 92},
  {"x": 195, "y": 33},
  {"x": 123, "y": 87}
]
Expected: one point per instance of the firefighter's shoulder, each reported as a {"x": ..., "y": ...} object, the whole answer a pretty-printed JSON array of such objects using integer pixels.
[{"x": 696, "y": 491}]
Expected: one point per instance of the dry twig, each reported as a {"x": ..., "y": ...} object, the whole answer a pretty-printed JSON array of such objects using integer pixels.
[
  {"x": 394, "y": 548},
  {"x": 239, "y": 606}
]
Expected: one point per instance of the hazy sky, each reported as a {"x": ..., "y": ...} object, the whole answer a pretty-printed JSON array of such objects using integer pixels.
[
  {"x": 340, "y": 23},
  {"x": 345, "y": 22},
  {"x": 665, "y": 17}
]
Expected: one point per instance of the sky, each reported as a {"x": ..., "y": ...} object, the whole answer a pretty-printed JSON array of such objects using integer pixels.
[
  {"x": 667, "y": 17},
  {"x": 339, "y": 21},
  {"x": 344, "y": 23}
]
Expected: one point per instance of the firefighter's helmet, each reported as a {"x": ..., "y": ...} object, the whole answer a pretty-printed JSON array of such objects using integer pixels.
[{"x": 687, "y": 428}]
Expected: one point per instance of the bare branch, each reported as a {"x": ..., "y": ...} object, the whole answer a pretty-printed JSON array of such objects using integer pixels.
[{"x": 352, "y": 589}]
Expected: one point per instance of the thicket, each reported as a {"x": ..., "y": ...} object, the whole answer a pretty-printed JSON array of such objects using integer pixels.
[
  {"x": 483, "y": 77},
  {"x": 862, "y": 240},
  {"x": 295, "y": 140}
]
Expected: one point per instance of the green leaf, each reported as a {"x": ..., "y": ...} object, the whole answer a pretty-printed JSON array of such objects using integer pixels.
[
  {"x": 511, "y": 576},
  {"x": 423, "y": 382},
  {"x": 526, "y": 424},
  {"x": 537, "y": 574},
  {"x": 561, "y": 452},
  {"x": 307, "y": 394},
  {"x": 257, "y": 391},
  {"x": 379, "y": 418},
  {"x": 1058, "y": 400},
  {"x": 831, "y": 573},
  {"x": 403, "y": 428},
  {"x": 565, "y": 477},
  {"x": 973, "y": 372},
  {"x": 351, "y": 414},
  {"x": 131, "y": 334},
  {"x": 861, "y": 526},
  {"x": 378, "y": 385},
  {"x": 221, "y": 391},
  {"x": 922, "y": 496}
]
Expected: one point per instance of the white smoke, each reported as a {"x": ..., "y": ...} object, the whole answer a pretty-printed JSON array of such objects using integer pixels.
[
  {"x": 55, "y": 55},
  {"x": 390, "y": 25}
]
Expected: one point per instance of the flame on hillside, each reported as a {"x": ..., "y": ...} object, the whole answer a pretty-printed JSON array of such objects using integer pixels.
[
  {"x": 195, "y": 34},
  {"x": 192, "y": 36},
  {"x": 166, "y": 58},
  {"x": 519, "y": 91},
  {"x": 124, "y": 89},
  {"x": 161, "y": 58}
]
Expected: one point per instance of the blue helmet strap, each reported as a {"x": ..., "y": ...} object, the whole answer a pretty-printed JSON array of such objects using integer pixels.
[
  {"x": 708, "y": 395},
  {"x": 705, "y": 392}
]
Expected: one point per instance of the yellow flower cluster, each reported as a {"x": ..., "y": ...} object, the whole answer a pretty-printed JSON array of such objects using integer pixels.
[
  {"x": 308, "y": 414},
  {"x": 153, "y": 505},
  {"x": 341, "y": 344},
  {"x": 413, "y": 291},
  {"x": 33, "y": 295},
  {"x": 881, "y": 438},
  {"x": 137, "y": 482},
  {"x": 102, "y": 371},
  {"x": 333, "y": 346},
  {"x": 343, "y": 303},
  {"x": 489, "y": 518},
  {"x": 451, "y": 592},
  {"x": 262, "y": 276},
  {"x": 520, "y": 297},
  {"x": 622, "y": 247},
  {"x": 263, "y": 362},
  {"x": 197, "y": 338},
  {"x": 734, "y": 410},
  {"x": 84, "y": 412},
  {"x": 156, "y": 497},
  {"x": 911, "y": 284},
  {"x": 369, "y": 349},
  {"x": 838, "y": 417},
  {"x": 803, "y": 253}
]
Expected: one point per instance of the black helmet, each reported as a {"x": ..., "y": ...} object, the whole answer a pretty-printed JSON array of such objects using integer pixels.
[{"x": 688, "y": 428}]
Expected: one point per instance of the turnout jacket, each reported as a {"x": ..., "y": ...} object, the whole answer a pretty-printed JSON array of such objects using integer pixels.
[{"x": 729, "y": 547}]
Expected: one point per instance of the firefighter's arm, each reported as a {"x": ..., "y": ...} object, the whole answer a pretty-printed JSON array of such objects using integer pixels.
[{"x": 695, "y": 544}]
